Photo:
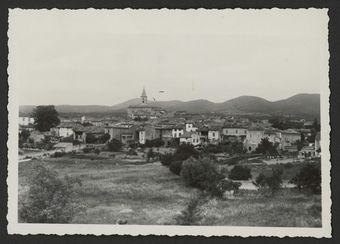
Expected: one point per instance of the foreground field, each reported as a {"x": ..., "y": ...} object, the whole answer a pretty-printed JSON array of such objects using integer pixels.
[{"x": 147, "y": 193}]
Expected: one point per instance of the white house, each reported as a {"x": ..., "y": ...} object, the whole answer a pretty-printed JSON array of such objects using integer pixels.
[
  {"x": 289, "y": 137},
  {"x": 177, "y": 131},
  {"x": 190, "y": 138},
  {"x": 26, "y": 121},
  {"x": 189, "y": 126},
  {"x": 253, "y": 138},
  {"x": 214, "y": 135},
  {"x": 141, "y": 137}
]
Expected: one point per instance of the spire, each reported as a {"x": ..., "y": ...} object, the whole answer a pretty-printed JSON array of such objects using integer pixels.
[
  {"x": 144, "y": 97},
  {"x": 143, "y": 92}
]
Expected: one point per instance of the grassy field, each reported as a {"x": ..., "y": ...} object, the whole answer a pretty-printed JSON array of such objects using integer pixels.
[{"x": 148, "y": 193}]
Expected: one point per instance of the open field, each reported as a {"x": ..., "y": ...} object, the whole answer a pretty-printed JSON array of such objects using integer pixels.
[{"x": 148, "y": 193}]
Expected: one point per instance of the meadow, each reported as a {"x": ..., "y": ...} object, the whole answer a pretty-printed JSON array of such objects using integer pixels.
[{"x": 147, "y": 193}]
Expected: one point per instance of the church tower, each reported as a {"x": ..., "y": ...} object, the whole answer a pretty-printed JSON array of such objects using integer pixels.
[{"x": 144, "y": 97}]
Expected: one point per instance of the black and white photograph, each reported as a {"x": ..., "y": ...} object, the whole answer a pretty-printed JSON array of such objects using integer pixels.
[{"x": 169, "y": 122}]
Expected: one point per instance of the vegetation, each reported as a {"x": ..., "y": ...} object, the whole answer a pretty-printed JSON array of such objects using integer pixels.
[
  {"x": 309, "y": 178},
  {"x": 269, "y": 183},
  {"x": 114, "y": 190},
  {"x": 240, "y": 173},
  {"x": 45, "y": 117},
  {"x": 266, "y": 147},
  {"x": 176, "y": 167},
  {"x": 166, "y": 159},
  {"x": 204, "y": 175},
  {"x": 158, "y": 142},
  {"x": 50, "y": 199},
  {"x": 150, "y": 154},
  {"x": 114, "y": 145}
]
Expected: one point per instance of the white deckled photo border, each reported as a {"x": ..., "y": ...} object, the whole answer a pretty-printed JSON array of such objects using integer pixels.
[{"x": 62, "y": 229}]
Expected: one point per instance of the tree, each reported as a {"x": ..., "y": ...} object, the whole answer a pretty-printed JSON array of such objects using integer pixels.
[
  {"x": 176, "y": 167},
  {"x": 240, "y": 173},
  {"x": 50, "y": 199},
  {"x": 270, "y": 182},
  {"x": 203, "y": 174},
  {"x": 309, "y": 178},
  {"x": 185, "y": 151},
  {"x": 23, "y": 136},
  {"x": 114, "y": 145},
  {"x": 166, "y": 159},
  {"x": 45, "y": 117},
  {"x": 266, "y": 147},
  {"x": 299, "y": 144},
  {"x": 150, "y": 154}
]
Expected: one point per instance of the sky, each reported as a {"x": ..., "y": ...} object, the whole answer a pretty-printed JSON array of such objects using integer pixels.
[{"x": 105, "y": 57}]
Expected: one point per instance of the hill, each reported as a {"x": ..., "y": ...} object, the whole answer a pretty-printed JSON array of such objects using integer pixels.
[{"x": 301, "y": 104}]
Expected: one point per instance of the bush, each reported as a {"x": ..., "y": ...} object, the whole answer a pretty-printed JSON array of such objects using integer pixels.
[
  {"x": 202, "y": 174},
  {"x": 166, "y": 159},
  {"x": 175, "y": 167},
  {"x": 240, "y": 173},
  {"x": 150, "y": 154},
  {"x": 309, "y": 178},
  {"x": 97, "y": 151},
  {"x": 87, "y": 149},
  {"x": 185, "y": 151},
  {"x": 132, "y": 152},
  {"x": 270, "y": 183},
  {"x": 114, "y": 145},
  {"x": 58, "y": 154},
  {"x": 50, "y": 199}
]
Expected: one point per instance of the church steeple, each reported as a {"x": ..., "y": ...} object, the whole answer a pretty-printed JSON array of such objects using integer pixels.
[{"x": 144, "y": 97}]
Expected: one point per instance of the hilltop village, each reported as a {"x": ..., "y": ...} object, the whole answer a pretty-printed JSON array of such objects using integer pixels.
[{"x": 147, "y": 125}]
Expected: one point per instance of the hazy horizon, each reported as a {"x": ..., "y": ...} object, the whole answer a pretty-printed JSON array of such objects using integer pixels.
[
  {"x": 106, "y": 57},
  {"x": 149, "y": 100}
]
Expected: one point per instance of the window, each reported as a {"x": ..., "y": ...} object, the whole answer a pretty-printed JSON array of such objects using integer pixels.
[
  {"x": 213, "y": 134},
  {"x": 236, "y": 132}
]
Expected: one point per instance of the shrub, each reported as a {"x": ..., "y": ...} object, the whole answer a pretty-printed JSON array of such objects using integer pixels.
[
  {"x": 203, "y": 174},
  {"x": 175, "y": 167},
  {"x": 309, "y": 178},
  {"x": 87, "y": 149},
  {"x": 288, "y": 166},
  {"x": 132, "y": 152},
  {"x": 97, "y": 151},
  {"x": 185, "y": 151},
  {"x": 50, "y": 199},
  {"x": 190, "y": 215},
  {"x": 166, "y": 159},
  {"x": 58, "y": 154},
  {"x": 114, "y": 145},
  {"x": 240, "y": 173},
  {"x": 271, "y": 183},
  {"x": 150, "y": 154}
]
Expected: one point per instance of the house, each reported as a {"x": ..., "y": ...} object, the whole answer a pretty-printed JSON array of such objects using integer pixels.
[
  {"x": 190, "y": 138},
  {"x": 177, "y": 131},
  {"x": 26, "y": 120},
  {"x": 214, "y": 134},
  {"x": 121, "y": 132},
  {"x": 37, "y": 136},
  {"x": 91, "y": 134},
  {"x": 308, "y": 151},
  {"x": 234, "y": 133},
  {"x": 64, "y": 129},
  {"x": 289, "y": 137},
  {"x": 253, "y": 138},
  {"x": 146, "y": 132},
  {"x": 165, "y": 133},
  {"x": 273, "y": 135},
  {"x": 203, "y": 132},
  {"x": 189, "y": 126}
]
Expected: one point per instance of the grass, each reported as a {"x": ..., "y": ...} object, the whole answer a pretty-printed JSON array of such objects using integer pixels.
[
  {"x": 148, "y": 193},
  {"x": 287, "y": 209}
]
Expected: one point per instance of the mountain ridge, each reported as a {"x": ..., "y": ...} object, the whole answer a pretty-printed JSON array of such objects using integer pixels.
[{"x": 302, "y": 103}]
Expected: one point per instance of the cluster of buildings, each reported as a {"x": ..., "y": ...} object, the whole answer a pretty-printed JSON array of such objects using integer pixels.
[{"x": 195, "y": 129}]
